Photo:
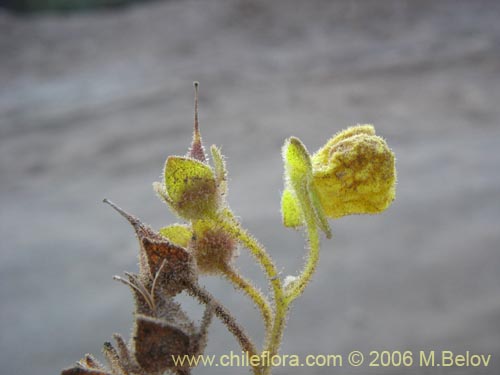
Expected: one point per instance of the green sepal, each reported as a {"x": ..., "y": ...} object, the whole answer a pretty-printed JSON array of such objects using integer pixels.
[
  {"x": 321, "y": 218},
  {"x": 290, "y": 210},
  {"x": 220, "y": 169},
  {"x": 298, "y": 167},
  {"x": 298, "y": 175},
  {"x": 191, "y": 187},
  {"x": 178, "y": 234}
]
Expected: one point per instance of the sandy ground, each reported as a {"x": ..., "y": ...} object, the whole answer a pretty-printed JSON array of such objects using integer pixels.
[{"x": 92, "y": 104}]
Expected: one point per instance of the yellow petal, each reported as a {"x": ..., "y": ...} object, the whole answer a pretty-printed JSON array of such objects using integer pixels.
[{"x": 354, "y": 173}]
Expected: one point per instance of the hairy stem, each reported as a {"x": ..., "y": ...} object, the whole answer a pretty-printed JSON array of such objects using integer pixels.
[
  {"x": 225, "y": 316},
  {"x": 274, "y": 336},
  {"x": 255, "y": 294},
  {"x": 298, "y": 286}
]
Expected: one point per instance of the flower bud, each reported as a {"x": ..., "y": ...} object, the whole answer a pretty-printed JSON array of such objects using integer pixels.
[
  {"x": 354, "y": 173},
  {"x": 191, "y": 188}
]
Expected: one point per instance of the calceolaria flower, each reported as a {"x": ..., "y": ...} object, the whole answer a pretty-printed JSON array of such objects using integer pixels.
[{"x": 354, "y": 173}]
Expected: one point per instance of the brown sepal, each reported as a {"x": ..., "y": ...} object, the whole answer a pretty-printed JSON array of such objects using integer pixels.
[
  {"x": 155, "y": 249},
  {"x": 155, "y": 341}
]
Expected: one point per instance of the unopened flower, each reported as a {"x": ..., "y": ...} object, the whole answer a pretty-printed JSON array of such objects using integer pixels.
[
  {"x": 191, "y": 187},
  {"x": 213, "y": 248}
]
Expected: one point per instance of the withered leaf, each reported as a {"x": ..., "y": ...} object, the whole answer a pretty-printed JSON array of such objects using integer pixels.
[
  {"x": 155, "y": 249},
  {"x": 155, "y": 341},
  {"x": 178, "y": 258}
]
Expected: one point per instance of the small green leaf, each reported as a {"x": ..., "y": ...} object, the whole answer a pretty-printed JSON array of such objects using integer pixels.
[
  {"x": 290, "y": 210},
  {"x": 178, "y": 234}
]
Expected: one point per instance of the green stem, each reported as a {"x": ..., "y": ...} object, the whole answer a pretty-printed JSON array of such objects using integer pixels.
[
  {"x": 255, "y": 294},
  {"x": 281, "y": 300},
  {"x": 298, "y": 286},
  {"x": 273, "y": 337}
]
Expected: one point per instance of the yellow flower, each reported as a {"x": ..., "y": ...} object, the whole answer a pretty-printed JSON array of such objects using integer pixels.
[{"x": 354, "y": 173}]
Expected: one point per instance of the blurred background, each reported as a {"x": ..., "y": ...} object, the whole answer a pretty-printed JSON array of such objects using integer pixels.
[{"x": 94, "y": 95}]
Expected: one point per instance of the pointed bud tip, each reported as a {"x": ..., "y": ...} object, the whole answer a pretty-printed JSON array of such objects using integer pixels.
[
  {"x": 121, "y": 211},
  {"x": 130, "y": 218},
  {"x": 197, "y": 150}
]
